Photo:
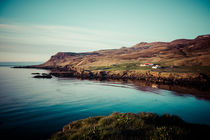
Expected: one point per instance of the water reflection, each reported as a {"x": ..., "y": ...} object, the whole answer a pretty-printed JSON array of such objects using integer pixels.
[{"x": 200, "y": 93}]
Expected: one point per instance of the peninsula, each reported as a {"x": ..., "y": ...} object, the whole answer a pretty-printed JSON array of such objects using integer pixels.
[{"x": 182, "y": 61}]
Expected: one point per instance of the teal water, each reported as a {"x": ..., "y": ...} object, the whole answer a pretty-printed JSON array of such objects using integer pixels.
[
  {"x": 7, "y": 64},
  {"x": 35, "y": 108}
]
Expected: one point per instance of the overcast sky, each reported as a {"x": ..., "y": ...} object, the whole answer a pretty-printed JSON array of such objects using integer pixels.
[{"x": 33, "y": 30}]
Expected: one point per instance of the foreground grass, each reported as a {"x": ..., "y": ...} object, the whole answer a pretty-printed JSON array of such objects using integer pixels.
[{"x": 125, "y": 126}]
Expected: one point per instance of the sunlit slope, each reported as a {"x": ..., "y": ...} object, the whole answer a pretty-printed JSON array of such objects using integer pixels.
[{"x": 181, "y": 52}]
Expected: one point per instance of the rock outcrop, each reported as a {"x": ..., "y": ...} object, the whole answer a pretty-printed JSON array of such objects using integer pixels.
[
  {"x": 43, "y": 75},
  {"x": 197, "y": 79}
]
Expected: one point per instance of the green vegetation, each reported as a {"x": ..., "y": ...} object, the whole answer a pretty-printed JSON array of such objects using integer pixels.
[
  {"x": 136, "y": 66},
  {"x": 185, "y": 69},
  {"x": 124, "y": 66},
  {"x": 125, "y": 126}
]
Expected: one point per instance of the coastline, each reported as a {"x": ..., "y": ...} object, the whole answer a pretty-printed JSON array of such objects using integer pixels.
[
  {"x": 183, "y": 79},
  {"x": 81, "y": 74},
  {"x": 181, "y": 62}
]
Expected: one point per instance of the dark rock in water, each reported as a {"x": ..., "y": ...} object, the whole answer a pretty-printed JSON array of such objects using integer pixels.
[
  {"x": 35, "y": 73},
  {"x": 43, "y": 75}
]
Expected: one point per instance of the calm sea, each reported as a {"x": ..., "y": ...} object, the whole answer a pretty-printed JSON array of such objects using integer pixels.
[{"x": 36, "y": 108}]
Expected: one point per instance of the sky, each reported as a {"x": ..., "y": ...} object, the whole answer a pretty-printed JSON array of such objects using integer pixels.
[{"x": 34, "y": 30}]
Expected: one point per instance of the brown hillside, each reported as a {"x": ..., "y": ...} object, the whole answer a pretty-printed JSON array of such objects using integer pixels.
[{"x": 182, "y": 52}]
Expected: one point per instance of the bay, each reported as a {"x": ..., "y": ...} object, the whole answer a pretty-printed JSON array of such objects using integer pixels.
[{"x": 36, "y": 108}]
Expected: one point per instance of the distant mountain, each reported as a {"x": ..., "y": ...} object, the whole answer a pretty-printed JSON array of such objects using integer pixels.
[{"x": 181, "y": 52}]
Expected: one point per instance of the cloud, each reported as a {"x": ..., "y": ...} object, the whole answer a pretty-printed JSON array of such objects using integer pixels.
[
  {"x": 75, "y": 38},
  {"x": 50, "y": 39}
]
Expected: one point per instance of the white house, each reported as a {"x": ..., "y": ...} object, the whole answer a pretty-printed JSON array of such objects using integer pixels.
[{"x": 156, "y": 66}]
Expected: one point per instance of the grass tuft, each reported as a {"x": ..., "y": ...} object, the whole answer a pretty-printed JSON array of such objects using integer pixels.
[{"x": 125, "y": 126}]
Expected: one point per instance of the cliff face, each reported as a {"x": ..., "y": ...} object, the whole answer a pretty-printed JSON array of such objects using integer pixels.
[{"x": 182, "y": 52}]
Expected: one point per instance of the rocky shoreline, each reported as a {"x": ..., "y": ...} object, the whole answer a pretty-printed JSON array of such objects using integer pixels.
[
  {"x": 156, "y": 77},
  {"x": 183, "y": 79}
]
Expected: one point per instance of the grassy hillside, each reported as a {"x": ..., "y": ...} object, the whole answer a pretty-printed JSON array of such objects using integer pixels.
[
  {"x": 129, "y": 126},
  {"x": 182, "y": 52},
  {"x": 136, "y": 66}
]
